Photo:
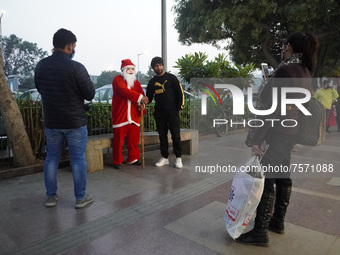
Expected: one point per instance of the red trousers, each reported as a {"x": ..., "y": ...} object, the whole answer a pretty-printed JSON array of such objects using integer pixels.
[{"x": 131, "y": 131}]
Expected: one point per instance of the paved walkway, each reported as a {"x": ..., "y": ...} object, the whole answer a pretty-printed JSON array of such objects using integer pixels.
[{"x": 170, "y": 211}]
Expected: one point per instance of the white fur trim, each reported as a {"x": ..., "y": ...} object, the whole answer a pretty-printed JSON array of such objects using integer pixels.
[
  {"x": 140, "y": 98},
  {"x": 126, "y": 67},
  {"x": 129, "y": 111},
  {"x": 125, "y": 123}
]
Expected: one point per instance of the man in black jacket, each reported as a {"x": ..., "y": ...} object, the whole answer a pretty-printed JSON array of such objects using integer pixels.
[
  {"x": 169, "y": 97},
  {"x": 64, "y": 84}
]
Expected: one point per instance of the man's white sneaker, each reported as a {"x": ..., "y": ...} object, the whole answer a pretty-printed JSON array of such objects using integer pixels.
[
  {"x": 162, "y": 162},
  {"x": 178, "y": 163}
]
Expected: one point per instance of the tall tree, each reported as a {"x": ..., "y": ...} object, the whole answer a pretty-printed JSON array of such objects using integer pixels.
[
  {"x": 106, "y": 77},
  {"x": 145, "y": 78},
  {"x": 255, "y": 29},
  {"x": 20, "y": 59},
  {"x": 16, "y": 132}
]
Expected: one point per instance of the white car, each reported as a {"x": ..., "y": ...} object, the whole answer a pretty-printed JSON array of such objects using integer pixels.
[
  {"x": 31, "y": 94},
  {"x": 103, "y": 94}
]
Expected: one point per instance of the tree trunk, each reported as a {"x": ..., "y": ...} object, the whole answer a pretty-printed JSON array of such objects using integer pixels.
[{"x": 16, "y": 132}]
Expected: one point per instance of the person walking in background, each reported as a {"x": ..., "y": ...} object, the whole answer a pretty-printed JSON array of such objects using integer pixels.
[
  {"x": 64, "y": 84},
  {"x": 326, "y": 95},
  {"x": 127, "y": 100},
  {"x": 337, "y": 107},
  {"x": 298, "y": 52},
  {"x": 331, "y": 121},
  {"x": 169, "y": 97}
]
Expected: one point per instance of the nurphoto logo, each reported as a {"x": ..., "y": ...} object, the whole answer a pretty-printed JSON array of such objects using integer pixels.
[{"x": 240, "y": 98}]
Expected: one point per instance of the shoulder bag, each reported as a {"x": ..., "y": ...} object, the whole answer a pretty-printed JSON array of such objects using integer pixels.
[{"x": 312, "y": 128}]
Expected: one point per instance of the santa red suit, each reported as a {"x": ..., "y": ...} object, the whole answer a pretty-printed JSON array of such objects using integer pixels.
[{"x": 127, "y": 96}]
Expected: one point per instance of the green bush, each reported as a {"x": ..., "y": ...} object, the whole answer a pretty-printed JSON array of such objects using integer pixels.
[{"x": 99, "y": 119}]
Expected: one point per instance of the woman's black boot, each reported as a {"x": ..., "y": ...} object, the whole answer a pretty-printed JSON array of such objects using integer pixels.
[
  {"x": 276, "y": 223},
  {"x": 258, "y": 235}
]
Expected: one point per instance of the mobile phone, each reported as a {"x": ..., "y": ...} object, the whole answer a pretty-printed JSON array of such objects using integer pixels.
[{"x": 265, "y": 70}]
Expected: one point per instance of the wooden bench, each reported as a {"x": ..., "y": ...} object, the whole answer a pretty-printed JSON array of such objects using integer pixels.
[{"x": 97, "y": 143}]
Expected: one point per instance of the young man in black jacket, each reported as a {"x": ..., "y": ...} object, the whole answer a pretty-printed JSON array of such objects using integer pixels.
[
  {"x": 64, "y": 84},
  {"x": 169, "y": 97}
]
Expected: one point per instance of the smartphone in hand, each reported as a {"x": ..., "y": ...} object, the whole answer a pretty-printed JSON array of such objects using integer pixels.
[{"x": 265, "y": 70}]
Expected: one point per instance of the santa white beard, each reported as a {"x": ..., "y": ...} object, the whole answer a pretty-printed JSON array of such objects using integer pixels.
[{"x": 130, "y": 78}]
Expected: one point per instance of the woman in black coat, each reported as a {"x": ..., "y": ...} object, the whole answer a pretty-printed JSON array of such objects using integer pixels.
[{"x": 298, "y": 53}]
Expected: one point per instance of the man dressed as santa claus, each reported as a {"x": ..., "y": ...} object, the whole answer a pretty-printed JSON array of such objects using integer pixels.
[{"x": 127, "y": 100}]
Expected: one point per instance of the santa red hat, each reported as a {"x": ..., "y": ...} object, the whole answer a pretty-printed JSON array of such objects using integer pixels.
[{"x": 126, "y": 62}]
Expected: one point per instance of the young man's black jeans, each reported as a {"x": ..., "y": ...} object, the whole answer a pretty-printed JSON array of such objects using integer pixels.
[{"x": 168, "y": 120}]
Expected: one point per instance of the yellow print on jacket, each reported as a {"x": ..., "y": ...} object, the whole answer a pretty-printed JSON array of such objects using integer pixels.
[{"x": 159, "y": 91}]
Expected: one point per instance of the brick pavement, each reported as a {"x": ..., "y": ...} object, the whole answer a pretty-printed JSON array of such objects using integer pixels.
[{"x": 167, "y": 210}]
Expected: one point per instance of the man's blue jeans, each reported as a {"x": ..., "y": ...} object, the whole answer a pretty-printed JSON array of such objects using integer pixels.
[{"x": 76, "y": 141}]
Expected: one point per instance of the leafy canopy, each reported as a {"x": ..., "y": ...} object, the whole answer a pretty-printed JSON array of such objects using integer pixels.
[
  {"x": 20, "y": 58},
  {"x": 255, "y": 29},
  {"x": 197, "y": 66},
  {"x": 106, "y": 77}
]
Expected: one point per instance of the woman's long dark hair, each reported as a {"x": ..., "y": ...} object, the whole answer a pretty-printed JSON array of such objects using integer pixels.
[{"x": 307, "y": 44}]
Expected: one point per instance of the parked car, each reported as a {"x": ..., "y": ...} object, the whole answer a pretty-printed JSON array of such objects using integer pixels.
[
  {"x": 103, "y": 94},
  {"x": 144, "y": 88},
  {"x": 31, "y": 94}
]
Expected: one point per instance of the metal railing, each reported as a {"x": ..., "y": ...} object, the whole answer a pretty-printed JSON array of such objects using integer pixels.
[{"x": 99, "y": 121}]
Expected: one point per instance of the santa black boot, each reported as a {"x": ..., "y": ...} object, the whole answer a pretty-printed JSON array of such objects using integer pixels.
[
  {"x": 258, "y": 235},
  {"x": 276, "y": 223}
]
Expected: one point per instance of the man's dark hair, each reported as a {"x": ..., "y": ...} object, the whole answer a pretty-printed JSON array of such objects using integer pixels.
[
  {"x": 62, "y": 38},
  {"x": 156, "y": 60}
]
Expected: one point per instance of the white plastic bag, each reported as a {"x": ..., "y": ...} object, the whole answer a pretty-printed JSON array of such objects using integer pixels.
[{"x": 244, "y": 197}]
